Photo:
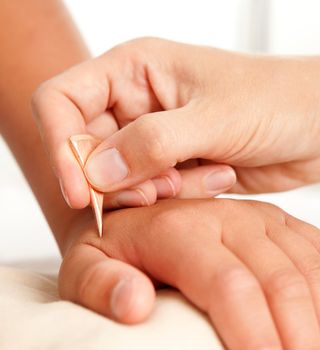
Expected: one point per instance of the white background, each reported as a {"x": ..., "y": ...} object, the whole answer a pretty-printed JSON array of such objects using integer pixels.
[{"x": 278, "y": 26}]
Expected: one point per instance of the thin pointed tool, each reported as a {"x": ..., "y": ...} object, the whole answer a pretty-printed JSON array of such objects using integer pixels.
[{"x": 82, "y": 146}]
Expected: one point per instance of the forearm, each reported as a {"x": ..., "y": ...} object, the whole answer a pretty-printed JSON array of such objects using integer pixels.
[{"x": 37, "y": 41}]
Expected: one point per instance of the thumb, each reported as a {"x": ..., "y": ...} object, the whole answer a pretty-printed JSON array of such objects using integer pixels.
[
  {"x": 108, "y": 286},
  {"x": 145, "y": 148}
]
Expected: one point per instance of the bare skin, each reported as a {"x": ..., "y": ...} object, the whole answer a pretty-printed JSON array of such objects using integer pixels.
[
  {"x": 38, "y": 41},
  {"x": 250, "y": 266},
  {"x": 177, "y": 103},
  {"x": 142, "y": 244}
]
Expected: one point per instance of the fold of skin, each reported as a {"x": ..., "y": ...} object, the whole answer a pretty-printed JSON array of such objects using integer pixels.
[
  {"x": 248, "y": 265},
  {"x": 176, "y": 102},
  {"x": 36, "y": 30}
]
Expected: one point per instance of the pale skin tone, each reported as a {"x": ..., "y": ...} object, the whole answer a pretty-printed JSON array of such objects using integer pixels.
[
  {"x": 256, "y": 276},
  {"x": 178, "y": 103}
]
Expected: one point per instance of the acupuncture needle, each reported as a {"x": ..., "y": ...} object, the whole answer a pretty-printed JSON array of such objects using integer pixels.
[{"x": 82, "y": 146}]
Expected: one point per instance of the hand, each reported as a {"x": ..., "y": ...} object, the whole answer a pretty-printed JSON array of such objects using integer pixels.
[
  {"x": 177, "y": 102},
  {"x": 250, "y": 266}
]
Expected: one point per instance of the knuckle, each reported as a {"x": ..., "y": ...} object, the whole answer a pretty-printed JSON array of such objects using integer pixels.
[
  {"x": 40, "y": 92},
  {"x": 136, "y": 47},
  {"x": 272, "y": 216},
  {"x": 269, "y": 209},
  {"x": 311, "y": 269},
  {"x": 143, "y": 41},
  {"x": 180, "y": 220},
  {"x": 169, "y": 220},
  {"x": 287, "y": 284},
  {"x": 236, "y": 280},
  {"x": 154, "y": 139},
  {"x": 183, "y": 220},
  {"x": 40, "y": 96}
]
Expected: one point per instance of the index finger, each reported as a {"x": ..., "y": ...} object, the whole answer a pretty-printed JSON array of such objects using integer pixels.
[{"x": 67, "y": 105}]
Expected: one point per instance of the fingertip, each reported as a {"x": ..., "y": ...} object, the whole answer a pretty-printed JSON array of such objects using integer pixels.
[
  {"x": 78, "y": 201},
  {"x": 132, "y": 300},
  {"x": 168, "y": 184},
  {"x": 148, "y": 192},
  {"x": 144, "y": 194},
  {"x": 206, "y": 181},
  {"x": 107, "y": 286},
  {"x": 74, "y": 186},
  {"x": 219, "y": 179}
]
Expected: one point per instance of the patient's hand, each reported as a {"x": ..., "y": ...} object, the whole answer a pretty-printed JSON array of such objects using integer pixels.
[{"x": 254, "y": 269}]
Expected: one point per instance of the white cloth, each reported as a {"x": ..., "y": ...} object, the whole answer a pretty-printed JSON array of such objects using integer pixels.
[{"x": 32, "y": 317}]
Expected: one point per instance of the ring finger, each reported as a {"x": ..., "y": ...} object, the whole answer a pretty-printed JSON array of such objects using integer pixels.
[{"x": 286, "y": 290}]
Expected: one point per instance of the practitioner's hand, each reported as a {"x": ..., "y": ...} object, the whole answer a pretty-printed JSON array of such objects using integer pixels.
[
  {"x": 254, "y": 269},
  {"x": 177, "y": 102}
]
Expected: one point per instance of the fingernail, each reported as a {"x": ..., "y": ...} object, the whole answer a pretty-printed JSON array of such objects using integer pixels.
[
  {"x": 134, "y": 198},
  {"x": 106, "y": 168},
  {"x": 64, "y": 193},
  {"x": 165, "y": 187},
  {"x": 219, "y": 180},
  {"x": 121, "y": 298}
]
